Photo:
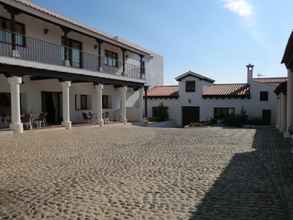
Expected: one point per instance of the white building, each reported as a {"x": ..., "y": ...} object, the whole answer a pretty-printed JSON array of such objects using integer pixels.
[
  {"x": 285, "y": 94},
  {"x": 54, "y": 68},
  {"x": 197, "y": 98}
]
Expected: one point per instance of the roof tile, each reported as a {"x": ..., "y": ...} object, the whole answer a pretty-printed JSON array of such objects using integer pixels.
[
  {"x": 228, "y": 90},
  {"x": 163, "y": 91}
]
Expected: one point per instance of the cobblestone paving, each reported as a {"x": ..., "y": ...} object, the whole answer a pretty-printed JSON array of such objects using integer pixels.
[{"x": 135, "y": 173}]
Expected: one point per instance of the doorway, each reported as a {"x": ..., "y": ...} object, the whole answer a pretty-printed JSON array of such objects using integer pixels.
[
  {"x": 51, "y": 104},
  {"x": 266, "y": 116},
  {"x": 190, "y": 115}
]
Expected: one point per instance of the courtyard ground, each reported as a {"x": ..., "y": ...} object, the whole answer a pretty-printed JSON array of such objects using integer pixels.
[{"x": 140, "y": 173}]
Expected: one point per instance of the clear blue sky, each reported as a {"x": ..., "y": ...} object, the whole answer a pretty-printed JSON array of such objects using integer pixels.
[{"x": 213, "y": 37}]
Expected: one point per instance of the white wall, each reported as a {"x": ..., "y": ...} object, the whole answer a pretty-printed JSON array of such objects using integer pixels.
[
  {"x": 172, "y": 104},
  {"x": 155, "y": 70},
  {"x": 253, "y": 106},
  {"x": 32, "y": 97}
]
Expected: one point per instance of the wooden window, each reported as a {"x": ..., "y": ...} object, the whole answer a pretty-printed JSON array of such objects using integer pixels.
[
  {"x": 106, "y": 102},
  {"x": 111, "y": 59},
  {"x": 75, "y": 52},
  {"x": 76, "y": 102},
  {"x": 6, "y": 30},
  {"x": 221, "y": 113},
  {"x": 190, "y": 86},
  {"x": 264, "y": 96},
  {"x": 84, "y": 102}
]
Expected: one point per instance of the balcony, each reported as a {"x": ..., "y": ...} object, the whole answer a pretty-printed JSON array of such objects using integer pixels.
[{"x": 36, "y": 50}]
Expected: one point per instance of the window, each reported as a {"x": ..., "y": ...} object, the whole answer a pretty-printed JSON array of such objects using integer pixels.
[
  {"x": 106, "y": 101},
  {"x": 190, "y": 86},
  {"x": 74, "y": 53},
  {"x": 75, "y": 102},
  {"x": 158, "y": 111},
  {"x": 264, "y": 96},
  {"x": 111, "y": 58},
  {"x": 221, "y": 113},
  {"x": 84, "y": 102},
  {"x": 5, "y": 32}
]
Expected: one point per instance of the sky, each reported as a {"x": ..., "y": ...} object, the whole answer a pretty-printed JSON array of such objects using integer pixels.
[{"x": 217, "y": 38}]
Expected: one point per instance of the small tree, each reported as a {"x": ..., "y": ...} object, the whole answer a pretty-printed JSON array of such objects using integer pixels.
[{"x": 162, "y": 113}]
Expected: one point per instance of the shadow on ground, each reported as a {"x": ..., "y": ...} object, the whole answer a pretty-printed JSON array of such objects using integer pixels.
[{"x": 246, "y": 188}]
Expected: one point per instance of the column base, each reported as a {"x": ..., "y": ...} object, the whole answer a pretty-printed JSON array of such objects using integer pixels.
[
  {"x": 67, "y": 124},
  {"x": 15, "y": 53},
  {"x": 101, "y": 123},
  {"x": 124, "y": 121},
  {"x": 67, "y": 63},
  {"x": 287, "y": 135},
  {"x": 17, "y": 128}
]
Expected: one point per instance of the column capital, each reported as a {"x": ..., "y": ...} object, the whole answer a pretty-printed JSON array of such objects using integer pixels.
[
  {"x": 124, "y": 88},
  {"x": 99, "y": 86},
  {"x": 14, "y": 80},
  {"x": 66, "y": 84}
]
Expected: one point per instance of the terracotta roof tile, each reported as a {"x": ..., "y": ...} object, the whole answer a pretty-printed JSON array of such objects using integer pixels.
[
  {"x": 163, "y": 91},
  {"x": 281, "y": 88},
  {"x": 227, "y": 90},
  {"x": 271, "y": 80}
]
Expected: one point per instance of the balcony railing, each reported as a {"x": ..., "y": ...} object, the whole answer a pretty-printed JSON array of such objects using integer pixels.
[{"x": 41, "y": 51}]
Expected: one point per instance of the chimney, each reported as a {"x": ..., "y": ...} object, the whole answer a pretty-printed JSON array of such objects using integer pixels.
[{"x": 249, "y": 73}]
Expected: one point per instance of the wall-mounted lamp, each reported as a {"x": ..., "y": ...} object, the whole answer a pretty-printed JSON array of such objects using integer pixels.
[{"x": 46, "y": 31}]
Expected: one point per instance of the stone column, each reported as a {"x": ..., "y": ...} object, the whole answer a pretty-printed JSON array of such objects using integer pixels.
[
  {"x": 123, "y": 104},
  {"x": 141, "y": 104},
  {"x": 283, "y": 113},
  {"x": 16, "y": 124},
  {"x": 278, "y": 112},
  {"x": 66, "y": 105},
  {"x": 289, "y": 101},
  {"x": 98, "y": 104}
]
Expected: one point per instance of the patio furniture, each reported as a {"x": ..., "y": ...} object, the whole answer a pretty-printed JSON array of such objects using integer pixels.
[
  {"x": 4, "y": 121},
  {"x": 87, "y": 116},
  {"x": 27, "y": 121},
  {"x": 41, "y": 121},
  {"x": 106, "y": 117}
]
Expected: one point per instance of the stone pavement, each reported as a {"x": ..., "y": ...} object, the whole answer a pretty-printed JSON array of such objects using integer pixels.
[{"x": 138, "y": 173}]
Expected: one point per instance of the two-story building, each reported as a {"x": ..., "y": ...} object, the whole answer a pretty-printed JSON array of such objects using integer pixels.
[
  {"x": 197, "y": 99},
  {"x": 57, "y": 70}
]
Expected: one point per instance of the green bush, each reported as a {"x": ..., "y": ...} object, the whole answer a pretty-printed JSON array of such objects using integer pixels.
[
  {"x": 256, "y": 121},
  {"x": 161, "y": 114},
  {"x": 234, "y": 121}
]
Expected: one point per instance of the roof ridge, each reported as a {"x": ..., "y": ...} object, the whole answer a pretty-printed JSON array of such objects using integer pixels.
[
  {"x": 224, "y": 84},
  {"x": 273, "y": 77},
  {"x": 165, "y": 86}
]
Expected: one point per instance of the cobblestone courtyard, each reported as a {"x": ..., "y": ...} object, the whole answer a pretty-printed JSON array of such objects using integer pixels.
[{"x": 136, "y": 173}]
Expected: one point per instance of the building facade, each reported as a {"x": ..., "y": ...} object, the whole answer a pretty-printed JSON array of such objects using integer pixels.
[
  {"x": 54, "y": 68},
  {"x": 285, "y": 93},
  {"x": 197, "y": 99}
]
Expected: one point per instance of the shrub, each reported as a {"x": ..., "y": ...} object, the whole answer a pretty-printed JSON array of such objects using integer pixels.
[
  {"x": 256, "y": 121},
  {"x": 234, "y": 120},
  {"x": 161, "y": 114}
]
